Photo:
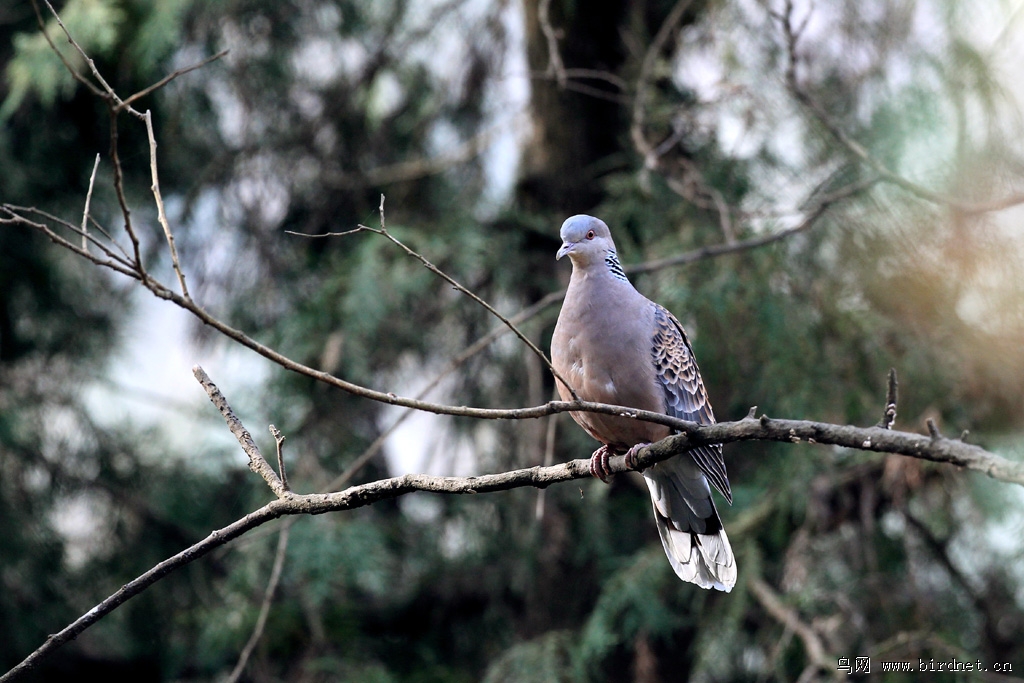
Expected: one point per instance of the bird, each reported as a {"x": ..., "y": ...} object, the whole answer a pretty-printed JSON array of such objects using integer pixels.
[{"x": 612, "y": 344}]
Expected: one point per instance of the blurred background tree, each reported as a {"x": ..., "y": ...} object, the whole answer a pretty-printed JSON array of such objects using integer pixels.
[{"x": 684, "y": 125}]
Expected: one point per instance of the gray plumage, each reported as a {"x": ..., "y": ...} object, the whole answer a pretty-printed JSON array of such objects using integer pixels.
[{"x": 613, "y": 345}]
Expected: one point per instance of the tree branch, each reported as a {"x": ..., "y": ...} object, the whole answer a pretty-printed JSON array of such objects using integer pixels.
[
  {"x": 556, "y": 69},
  {"x": 714, "y": 250},
  {"x": 792, "y": 37},
  {"x": 170, "y": 77},
  {"x": 788, "y": 617},
  {"x": 450, "y": 280},
  {"x": 891, "y": 394},
  {"x": 636, "y": 130},
  {"x": 74, "y": 73},
  {"x": 257, "y": 463},
  {"x": 161, "y": 215},
  {"x": 268, "y": 597},
  {"x": 88, "y": 200},
  {"x": 288, "y": 503}
]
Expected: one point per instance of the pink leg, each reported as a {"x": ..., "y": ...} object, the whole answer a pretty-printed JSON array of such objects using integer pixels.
[
  {"x": 599, "y": 464},
  {"x": 631, "y": 456}
]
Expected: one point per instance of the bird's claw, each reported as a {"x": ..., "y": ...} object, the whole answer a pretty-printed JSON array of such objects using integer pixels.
[
  {"x": 631, "y": 456},
  {"x": 599, "y": 464}
]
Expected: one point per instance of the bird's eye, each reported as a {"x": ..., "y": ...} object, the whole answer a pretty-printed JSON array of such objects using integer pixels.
[{"x": 590, "y": 235}]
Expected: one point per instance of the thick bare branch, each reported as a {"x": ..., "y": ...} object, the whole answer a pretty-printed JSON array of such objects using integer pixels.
[
  {"x": 788, "y": 431},
  {"x": 257, "y": 463}
]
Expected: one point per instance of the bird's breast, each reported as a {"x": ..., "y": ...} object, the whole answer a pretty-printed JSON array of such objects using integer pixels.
[{"x": 604, "y": 352}]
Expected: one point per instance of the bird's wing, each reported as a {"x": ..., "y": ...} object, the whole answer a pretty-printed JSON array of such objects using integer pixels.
[{"x": 685, "y": 396}]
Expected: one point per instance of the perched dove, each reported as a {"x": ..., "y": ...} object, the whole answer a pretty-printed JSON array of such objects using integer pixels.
[{"x": 613, "y": 345}]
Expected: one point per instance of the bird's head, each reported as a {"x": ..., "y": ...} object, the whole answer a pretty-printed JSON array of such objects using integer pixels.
[{"x": 585, "y": 240}]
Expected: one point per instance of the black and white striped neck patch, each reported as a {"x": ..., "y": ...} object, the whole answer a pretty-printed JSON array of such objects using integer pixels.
[{"x": 611, "y": 260}]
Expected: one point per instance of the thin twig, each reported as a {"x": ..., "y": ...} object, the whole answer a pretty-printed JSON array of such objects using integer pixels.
[
  {"x": 124, "y": 257},
  {"x": 88, "y": 199},
  {"x": 113, "y": 262},
  {"x": 792, "y": 36},
  {"x": 490, "y": 309},
  {"x": 345, "y": 233},
  {"x": 110, "y": 94},
  {"x": 268, "y": 597},
  {"x": 555, "y": 68},
  {"x": 279, "y": 440},
  {"x": 122, "y": 201},
  {"x": 891, "y": 395},
  {"x": 643, "y": 82},
  {"x": 790, "y": 619},
  {"x": 161, "y": 215},
  {"x": 170, "y": 77},
  {"x": 71, "y": 69},
  {"x": 15, "y": 212},
  {"x": 743, "y": 245}
]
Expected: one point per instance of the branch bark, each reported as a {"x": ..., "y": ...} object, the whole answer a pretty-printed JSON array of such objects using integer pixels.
[
  {"x": 870, "y": 438},
  {"x": 878, "y": 439}
]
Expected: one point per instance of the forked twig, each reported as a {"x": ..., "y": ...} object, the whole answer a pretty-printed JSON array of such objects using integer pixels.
[
  {"x": 790, "y": 619},
  {"x": 257, "y": 463},
  {"x": 279, "y": 440},
  {"x": 111, "y": 95},
  {"x": 555, "y": 68}
]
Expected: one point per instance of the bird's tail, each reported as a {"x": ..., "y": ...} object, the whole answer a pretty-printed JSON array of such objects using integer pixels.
[{"x": 688, "y": 523}]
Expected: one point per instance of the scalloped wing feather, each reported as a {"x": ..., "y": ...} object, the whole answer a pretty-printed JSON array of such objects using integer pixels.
[{"x": 685, "y": 396}]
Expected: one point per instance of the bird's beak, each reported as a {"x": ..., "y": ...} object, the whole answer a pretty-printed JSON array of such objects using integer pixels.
[{"x": 566, "y": 248}]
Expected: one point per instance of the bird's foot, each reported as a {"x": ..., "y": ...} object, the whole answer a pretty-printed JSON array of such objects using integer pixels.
[
  {"x": 599, "y": 464},
  {"x": 631, "y": 456}
]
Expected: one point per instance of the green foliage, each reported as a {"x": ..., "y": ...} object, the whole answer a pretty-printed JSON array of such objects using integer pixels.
[{"x": 34, "y": 68}]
